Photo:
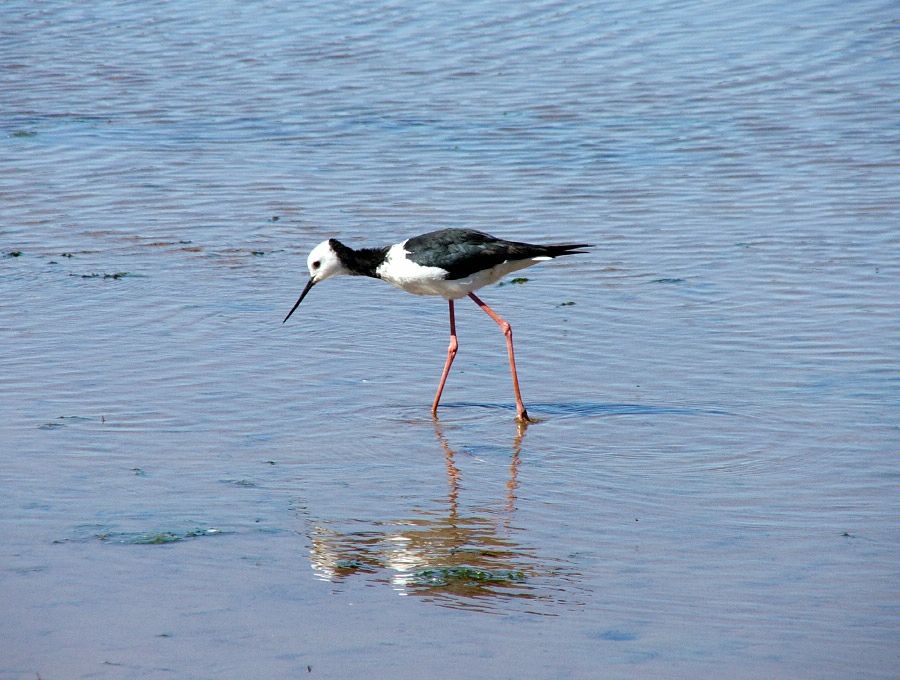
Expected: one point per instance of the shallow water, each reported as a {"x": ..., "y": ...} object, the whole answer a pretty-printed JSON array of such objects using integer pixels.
[{"x": 192, "y": 489}]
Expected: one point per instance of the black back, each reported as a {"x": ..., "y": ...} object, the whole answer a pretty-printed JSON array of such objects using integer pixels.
[{"x": 462, "y": 252}]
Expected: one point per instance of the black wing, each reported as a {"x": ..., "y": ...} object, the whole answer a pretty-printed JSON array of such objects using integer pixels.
[{"x": 462, "y": 252}]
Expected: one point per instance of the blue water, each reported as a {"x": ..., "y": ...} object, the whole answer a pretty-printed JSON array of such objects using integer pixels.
[{"x": 192, "y": 489}]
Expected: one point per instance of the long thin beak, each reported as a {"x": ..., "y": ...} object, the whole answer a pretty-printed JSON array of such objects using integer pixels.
[{"x": 309, "y": 284}]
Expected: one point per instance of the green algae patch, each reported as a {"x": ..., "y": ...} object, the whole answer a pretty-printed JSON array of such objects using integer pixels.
[
  {"x": 116, "y": 275},
  {"x": 62, "y": 421},
  {"x": 349, "y": 565},
  {"x": 243, "y": 483},
  {"x": 445, "y": 576},
  {"x": 518, "y": 281},
  {"x": 155, "y": 537}
]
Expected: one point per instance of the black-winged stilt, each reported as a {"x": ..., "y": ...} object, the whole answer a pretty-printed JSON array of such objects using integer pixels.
[{"x": 450, "y": 263}]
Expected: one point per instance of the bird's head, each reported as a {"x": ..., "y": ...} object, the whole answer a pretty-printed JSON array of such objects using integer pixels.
[{"x": 323, "y": 263}]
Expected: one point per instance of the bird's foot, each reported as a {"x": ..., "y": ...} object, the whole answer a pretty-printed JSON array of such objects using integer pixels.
[{"x": 523, "y": 418}]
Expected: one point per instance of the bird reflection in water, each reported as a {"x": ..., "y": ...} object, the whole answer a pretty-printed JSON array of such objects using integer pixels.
[{"x": 454, "y": 558}]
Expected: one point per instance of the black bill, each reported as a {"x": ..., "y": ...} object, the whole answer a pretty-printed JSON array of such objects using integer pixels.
[{"x": 309, "y": 284}]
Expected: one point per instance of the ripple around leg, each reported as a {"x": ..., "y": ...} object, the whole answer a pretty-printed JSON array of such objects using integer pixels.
[{"x": 542, "y": 411}]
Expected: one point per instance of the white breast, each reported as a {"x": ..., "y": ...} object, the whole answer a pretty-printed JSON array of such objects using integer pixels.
[{"x": 402, "y": 272}]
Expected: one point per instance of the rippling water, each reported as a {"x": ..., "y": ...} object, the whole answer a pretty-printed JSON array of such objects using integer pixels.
[{"x": 192, "y": 489}]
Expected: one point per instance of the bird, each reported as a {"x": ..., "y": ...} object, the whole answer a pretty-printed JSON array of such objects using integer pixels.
[{"x": 448, "y": 263}]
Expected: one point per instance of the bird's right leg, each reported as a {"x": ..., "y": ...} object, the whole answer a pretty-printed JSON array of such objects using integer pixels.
[
  {"x": 451, "y": 355},
  {"x": 521, "y": 413}
]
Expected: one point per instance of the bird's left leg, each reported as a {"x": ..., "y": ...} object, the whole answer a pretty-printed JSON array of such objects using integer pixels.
[
  {"x": 451, "y": 355},
  {"x": 521, "y": 413}
]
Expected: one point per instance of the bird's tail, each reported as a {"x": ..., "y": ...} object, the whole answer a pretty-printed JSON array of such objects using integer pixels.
[{"x": 557, "y": 249}]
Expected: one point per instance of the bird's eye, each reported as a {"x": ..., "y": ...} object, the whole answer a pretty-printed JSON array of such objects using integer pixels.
[{"x": 316, "y": 264}]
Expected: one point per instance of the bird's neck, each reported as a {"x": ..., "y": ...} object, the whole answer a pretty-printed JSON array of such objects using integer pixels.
[{"x": 360, "y": 261}]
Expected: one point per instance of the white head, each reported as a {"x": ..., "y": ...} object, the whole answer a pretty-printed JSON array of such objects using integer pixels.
[{"x": 323, "y": 263}]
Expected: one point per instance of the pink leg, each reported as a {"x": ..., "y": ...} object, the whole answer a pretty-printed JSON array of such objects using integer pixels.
[
  {"x": 521, "y": 414},
  {"x": 451, "y": 355}
]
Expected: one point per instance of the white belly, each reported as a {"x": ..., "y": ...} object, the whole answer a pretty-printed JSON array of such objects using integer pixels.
[{"x": 419, "y": 280}]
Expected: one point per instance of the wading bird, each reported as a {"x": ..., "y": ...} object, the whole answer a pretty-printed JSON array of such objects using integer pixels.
[{"x": 450, "y": 263}]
